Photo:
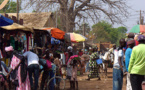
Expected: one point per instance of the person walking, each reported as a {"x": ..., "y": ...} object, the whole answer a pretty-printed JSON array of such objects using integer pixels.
[
  {"x": 94, "y": 72},
  {"x": 18, "y": 73},
  {"x": 118, "y": 66},
  {"x": 137, "y": 64},
  {"x": 33, "y": 68},
  {"x": 131, "y": 44}
]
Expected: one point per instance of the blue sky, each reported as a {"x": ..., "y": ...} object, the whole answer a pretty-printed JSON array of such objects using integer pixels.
[{"x": 133, "y": 18}]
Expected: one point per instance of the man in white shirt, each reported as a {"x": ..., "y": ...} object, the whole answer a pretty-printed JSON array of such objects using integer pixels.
[
  {"x": 118, "y": 66},
  {"x": 33, "y": 68}
]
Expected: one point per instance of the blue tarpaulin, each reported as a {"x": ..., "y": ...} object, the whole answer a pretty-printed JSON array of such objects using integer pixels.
[
  {"x": 5, "y": 21},
  {"x": 55, "y": 41}
]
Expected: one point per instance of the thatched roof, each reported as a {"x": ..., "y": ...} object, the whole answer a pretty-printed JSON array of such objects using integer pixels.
[{"x": 37, "y": 20}]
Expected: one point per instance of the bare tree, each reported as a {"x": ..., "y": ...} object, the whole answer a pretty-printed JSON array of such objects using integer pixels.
[{"x": 113, "y": 10}]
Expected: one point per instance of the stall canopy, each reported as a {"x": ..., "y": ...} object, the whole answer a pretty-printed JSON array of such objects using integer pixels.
[
  {"x": 56, "y": 33},
  {"x": 16, "y": 26},
  {"x": 5, "y": 21}
]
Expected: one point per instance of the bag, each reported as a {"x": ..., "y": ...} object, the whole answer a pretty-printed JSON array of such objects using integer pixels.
[
  {"x": 48, "y": 64},
  {"x": 42, "y": 62},
  {"x": 99, "y": 61},
  {"x": 13, "y": 74},
  {"x": 54, "y": 41},
  {"x": 23, "y": 72}
]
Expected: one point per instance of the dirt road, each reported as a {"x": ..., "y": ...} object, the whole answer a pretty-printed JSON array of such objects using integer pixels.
[{"x": 93, "y": 84}]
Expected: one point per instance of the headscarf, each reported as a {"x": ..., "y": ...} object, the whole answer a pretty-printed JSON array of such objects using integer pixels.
[
  {"x": 131, "y": 35},
  {"x": 130, "y": 42},
  {"x": 141, "y": 37},
  {"x": 9, "y": 48}
]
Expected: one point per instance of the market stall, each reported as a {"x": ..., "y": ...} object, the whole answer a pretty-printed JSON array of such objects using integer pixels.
[
  {"x": 41, "y": 41},
  {"x": 17, "y": 36}
]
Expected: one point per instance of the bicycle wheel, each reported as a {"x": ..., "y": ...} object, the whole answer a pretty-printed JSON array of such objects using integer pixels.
[{"x": 56, "y": 83}]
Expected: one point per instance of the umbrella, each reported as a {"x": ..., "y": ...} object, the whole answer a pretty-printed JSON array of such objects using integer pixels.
[
  {"x": 5, "y": 21},
  {"x": 56, "y": 33},
  {"x": 138, "y": 29},
  {"x": 74, "y": 37}
]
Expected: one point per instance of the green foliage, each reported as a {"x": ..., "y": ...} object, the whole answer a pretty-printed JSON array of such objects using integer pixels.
[
  {"x": 11, "y": 7},
  {"x": 104, "y": 32},
  {"x": 34, "y": 11},
  {"x": 122, "y": 29}
]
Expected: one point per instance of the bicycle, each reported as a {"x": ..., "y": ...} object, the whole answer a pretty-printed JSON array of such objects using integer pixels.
[
  {"x": 59, "y": 83},
  {"x": 55, "y": 83}
]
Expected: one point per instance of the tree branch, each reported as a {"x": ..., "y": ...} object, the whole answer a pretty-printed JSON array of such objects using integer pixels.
[{"x": 81, "y": 6}]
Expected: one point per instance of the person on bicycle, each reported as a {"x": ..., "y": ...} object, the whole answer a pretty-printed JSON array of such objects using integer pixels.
[{"x": 58, "y": 65}]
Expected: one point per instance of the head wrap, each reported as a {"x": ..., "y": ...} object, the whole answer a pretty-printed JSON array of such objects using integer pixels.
[
  {"x": 141, "y": 37},
  {"x": 130, "y": 42},
  {"x": 131, "y": 35},
  {"x": 9, "y": 48},
  {"x": 129, "y": 39},
  {"x": 70, "y": 48}
]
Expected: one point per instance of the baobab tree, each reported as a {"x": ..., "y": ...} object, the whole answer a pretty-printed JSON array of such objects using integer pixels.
[{"x": 72, "y": 11}]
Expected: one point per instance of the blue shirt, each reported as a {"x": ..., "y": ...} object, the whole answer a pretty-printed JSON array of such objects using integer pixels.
[{"x": 127, "y": 57}]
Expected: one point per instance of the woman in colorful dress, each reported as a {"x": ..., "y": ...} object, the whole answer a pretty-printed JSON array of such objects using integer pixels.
[
  {"x": 21, "y": 81},
  {"x": 94, "y": 72}
]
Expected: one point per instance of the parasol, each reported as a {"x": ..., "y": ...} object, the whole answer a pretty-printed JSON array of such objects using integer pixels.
[
  {"x": 74, "y": 37},
  {"x": 138, "y": 29}
]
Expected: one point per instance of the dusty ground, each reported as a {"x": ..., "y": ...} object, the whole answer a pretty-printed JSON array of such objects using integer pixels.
[{"x": 93, "y": 84}]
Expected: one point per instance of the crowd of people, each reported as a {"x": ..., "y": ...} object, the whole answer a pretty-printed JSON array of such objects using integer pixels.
[
  {"x": 133, "y": 49},
  {"x": 24, "y": 67}
]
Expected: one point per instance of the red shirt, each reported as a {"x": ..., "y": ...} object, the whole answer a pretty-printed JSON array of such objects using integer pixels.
[
  {"x": 136, "y": 42},
  {"x": 80, "y": 53}
]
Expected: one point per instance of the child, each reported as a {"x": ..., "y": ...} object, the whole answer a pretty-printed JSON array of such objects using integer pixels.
[
  {"x": 69, "y": 68},
  {"x": 58, "y": 66},
  {"x": 57, "y": 62},
  {"x": 74, "y": 63}
]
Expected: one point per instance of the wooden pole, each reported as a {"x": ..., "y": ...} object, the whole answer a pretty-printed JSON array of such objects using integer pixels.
[{"x": 17, "y": 11}]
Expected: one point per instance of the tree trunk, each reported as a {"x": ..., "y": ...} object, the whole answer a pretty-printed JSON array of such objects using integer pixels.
[{"x": 67, "y": 16}]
